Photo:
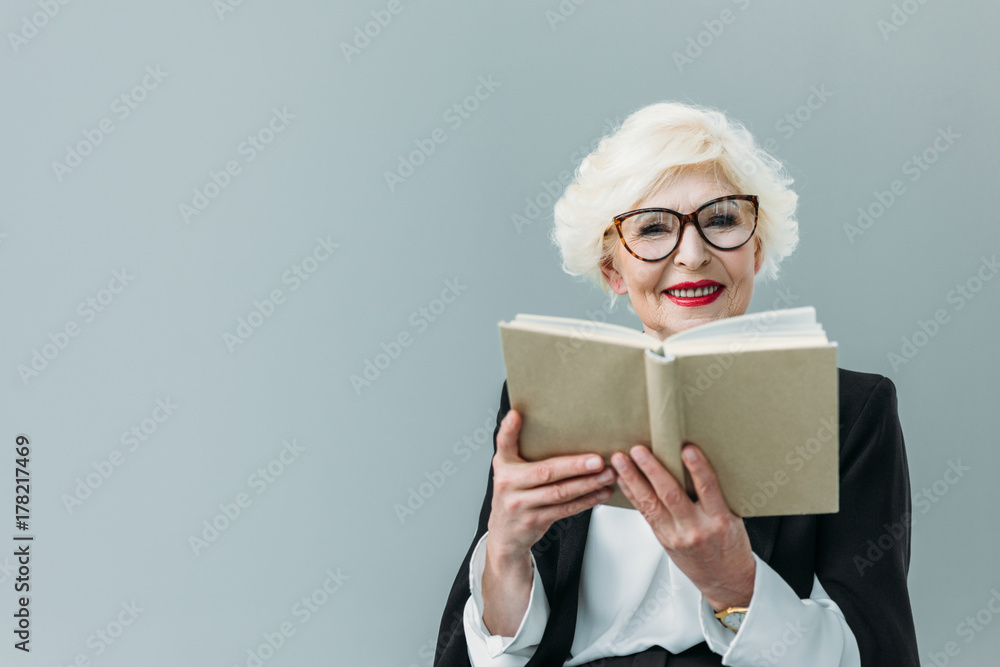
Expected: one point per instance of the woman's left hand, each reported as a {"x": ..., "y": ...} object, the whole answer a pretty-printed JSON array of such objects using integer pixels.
[{"x": 704, "y": 538}]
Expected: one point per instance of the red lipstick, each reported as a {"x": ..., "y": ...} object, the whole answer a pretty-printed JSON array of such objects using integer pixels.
[
  {"x": 689, "y": 285},
  {"x": 695, "y": 301}
]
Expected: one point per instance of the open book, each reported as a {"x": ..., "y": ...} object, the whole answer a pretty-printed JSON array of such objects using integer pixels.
[{"x": 757, "y": 393}]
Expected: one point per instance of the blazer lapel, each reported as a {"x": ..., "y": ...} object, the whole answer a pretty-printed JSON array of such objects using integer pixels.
[{"x": 559, "y": 563}]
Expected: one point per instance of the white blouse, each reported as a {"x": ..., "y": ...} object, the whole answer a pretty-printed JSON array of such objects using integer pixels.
[{"x": 632, "y": 596}]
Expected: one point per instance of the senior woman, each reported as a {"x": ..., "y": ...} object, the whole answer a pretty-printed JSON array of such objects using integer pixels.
[{"x": 553, "y": 577}]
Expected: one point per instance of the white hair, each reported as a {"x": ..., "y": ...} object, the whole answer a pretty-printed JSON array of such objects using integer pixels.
[{"x": 652, "y": 146}]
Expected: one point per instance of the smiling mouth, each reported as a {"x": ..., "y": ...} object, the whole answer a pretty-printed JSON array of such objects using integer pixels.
[{"x": 693, "y": 293}]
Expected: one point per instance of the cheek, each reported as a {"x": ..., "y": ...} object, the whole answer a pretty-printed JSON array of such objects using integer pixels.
[
  {"x": 742, "y": 275},
  {"x": 644, "y": 276},
  {"x": 740, "y": 266},
  {"x": 743, "y": 287},
  {"x": 738, "y": 299}
]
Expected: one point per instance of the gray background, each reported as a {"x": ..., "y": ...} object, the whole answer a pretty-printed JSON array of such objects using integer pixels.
[{"x": 562, "y": 84}]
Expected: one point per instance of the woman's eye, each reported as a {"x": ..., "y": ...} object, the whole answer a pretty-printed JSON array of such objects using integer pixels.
[
  {"x": 651, "y": 230},
  {"x": 722, "y": 221}
]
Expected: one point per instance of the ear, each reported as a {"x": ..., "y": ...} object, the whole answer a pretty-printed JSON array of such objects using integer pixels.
[
  {"x": 758, "y": 255},
  {"x": 614, "y": 279}
]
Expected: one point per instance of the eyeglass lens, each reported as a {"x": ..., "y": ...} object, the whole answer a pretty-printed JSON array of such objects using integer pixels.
[{"x": 653, "y": 234}]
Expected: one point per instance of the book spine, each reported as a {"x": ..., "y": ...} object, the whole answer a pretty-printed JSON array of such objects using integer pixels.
[{"x": 666, "y": 415}]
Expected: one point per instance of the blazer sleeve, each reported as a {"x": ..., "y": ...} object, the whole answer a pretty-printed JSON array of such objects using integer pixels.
[
  {"x": 863, "y": 551},
  {"x": 451, "y": 649}
]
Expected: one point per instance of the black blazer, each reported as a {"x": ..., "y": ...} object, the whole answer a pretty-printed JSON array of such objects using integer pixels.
[{"x": 861, "y": 555}]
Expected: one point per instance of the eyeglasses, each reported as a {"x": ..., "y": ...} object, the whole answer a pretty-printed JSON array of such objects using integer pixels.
[{"x": 651, "y": 234}]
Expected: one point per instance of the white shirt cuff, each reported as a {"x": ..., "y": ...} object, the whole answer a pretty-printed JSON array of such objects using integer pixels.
[
  {"x": 779, "y": 626},
  {"x": 496, "y": 650}
]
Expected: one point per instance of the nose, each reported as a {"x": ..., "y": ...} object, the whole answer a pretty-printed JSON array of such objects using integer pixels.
[{"x": 692, "y": 252}]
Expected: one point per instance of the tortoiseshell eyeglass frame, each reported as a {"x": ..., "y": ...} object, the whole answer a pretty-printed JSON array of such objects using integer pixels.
[{"x": 686, "y": 218}]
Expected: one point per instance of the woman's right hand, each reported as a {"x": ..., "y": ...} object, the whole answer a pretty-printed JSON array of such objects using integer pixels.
[{"x": 528, "y": 497}]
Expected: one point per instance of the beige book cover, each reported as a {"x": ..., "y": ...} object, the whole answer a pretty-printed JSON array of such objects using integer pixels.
[{"x": 757, "y": 393}]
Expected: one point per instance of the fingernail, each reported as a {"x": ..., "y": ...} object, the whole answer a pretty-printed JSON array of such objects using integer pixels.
[
  {"x": 639, "y": 454},
  {"x": 594, "y": 463},
  {"x": 606, "y": 476},
  {"x": 690, "y": 455}
]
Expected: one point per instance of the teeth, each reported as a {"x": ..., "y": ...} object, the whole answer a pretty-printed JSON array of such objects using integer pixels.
[{"x": 693, "y": 293}]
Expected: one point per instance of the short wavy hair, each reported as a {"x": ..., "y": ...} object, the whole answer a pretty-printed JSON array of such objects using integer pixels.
[{"x": 650, "y": 148}]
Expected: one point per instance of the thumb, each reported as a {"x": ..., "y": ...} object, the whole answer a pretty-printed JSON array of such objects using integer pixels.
[{"x": 507, "y": 447}]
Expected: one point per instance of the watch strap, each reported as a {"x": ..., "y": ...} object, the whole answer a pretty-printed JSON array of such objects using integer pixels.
[{"x": 721, "y": 615}]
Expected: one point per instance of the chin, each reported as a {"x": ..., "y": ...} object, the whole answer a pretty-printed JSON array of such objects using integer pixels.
[{"x": 688, "y": 320}]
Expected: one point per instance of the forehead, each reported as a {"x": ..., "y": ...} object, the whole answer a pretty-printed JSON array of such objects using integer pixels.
[{"x": 689, "y": 190}]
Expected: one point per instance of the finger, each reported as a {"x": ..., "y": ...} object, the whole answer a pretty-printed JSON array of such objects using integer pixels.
[
  {"x": 507, "y": 449},
  {"x": 706, "y": 484},
  {"x": 536, "y": 473},
  {"x": 558, "y": 468},
  {"x": 637, "y": 488},
  {"x": 567, "y": 490},
  {"x": 670, "y": 493},
  {"x": 553, "y": 513}
]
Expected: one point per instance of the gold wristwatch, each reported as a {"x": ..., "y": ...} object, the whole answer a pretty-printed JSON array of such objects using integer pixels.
[{"x": 732, "y": 617}]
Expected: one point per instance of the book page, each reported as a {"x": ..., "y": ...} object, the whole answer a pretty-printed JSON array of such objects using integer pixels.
[
  {"x": 567, "y": 326},
  {"x": 798, "y": 320}
]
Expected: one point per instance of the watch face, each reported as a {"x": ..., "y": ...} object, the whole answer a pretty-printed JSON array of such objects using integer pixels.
[{"x": 734, "y": 620}]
